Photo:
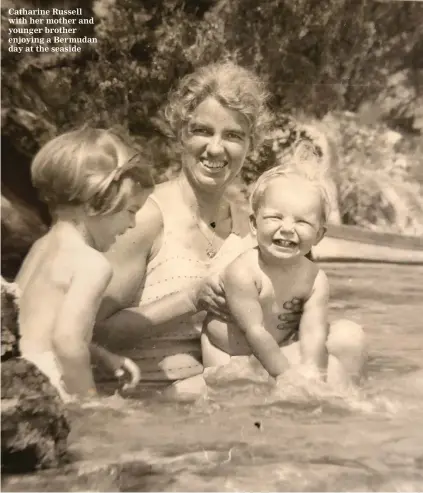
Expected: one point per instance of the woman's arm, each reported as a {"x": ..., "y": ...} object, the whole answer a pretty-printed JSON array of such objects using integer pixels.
[
  {"x": 75, "y": 321},
  {"x": 314, "y": 326},
  {"x": 243, "y": 301},
  {"x": 129, "y": 257},
  {"x": 133, "y": 320}
]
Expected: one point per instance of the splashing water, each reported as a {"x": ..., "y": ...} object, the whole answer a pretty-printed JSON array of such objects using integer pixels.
[{"x": 249, "y": 434}]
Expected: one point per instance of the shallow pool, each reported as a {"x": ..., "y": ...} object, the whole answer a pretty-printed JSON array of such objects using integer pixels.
[{"x": 249, "y": 437}]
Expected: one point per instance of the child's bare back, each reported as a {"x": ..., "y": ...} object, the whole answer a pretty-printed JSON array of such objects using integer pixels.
[{"x": 45, "y": 280}]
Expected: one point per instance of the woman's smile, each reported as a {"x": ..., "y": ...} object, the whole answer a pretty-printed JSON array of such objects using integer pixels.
[
  {"x": 215, "y": 144},
  {"x": 213, "y": 165}
]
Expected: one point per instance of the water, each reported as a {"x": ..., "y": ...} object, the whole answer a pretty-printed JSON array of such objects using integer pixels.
[{"x": 250, "y": 437}]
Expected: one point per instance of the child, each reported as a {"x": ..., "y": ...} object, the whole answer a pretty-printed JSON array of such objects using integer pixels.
[
  {"x": 267, "y": 283},
  {"x": 94, "y": 184}
]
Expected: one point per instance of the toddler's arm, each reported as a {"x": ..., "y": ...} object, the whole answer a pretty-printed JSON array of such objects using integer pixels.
[
  {"x": 75, "y": 321},
  {"x": 314, "y": 325},
  {"x": 242, "y": 295}
]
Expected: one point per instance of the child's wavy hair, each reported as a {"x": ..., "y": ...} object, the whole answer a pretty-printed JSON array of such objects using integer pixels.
[
  {"x": 287, "y": 171},
  {"x": 233, "y": 86},
  {"x": 89, "y": 166}
]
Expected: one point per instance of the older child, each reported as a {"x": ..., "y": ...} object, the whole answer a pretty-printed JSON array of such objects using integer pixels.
[
  {"x": 94, "y": 184},
  {"x": 266, "y": 283}
]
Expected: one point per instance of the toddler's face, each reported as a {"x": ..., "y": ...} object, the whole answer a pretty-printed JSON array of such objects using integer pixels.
[
  {"x": 289, "y": 220},
  {"x": 106, "y": 228}
]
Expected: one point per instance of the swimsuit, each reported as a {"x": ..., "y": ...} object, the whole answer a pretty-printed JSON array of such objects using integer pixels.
[{"x": 176, "y": 353}]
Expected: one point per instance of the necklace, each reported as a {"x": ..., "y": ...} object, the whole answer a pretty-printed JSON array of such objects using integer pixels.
[{"x": 210, "y": 250}]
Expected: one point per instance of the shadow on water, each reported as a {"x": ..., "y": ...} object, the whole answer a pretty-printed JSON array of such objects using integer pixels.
[{"x": 248, "y": 435}]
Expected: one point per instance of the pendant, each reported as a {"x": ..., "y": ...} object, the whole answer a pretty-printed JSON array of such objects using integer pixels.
[{"x": 211, "y": 252}]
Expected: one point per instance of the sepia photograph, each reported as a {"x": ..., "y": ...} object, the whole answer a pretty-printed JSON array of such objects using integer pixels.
[{"x": 211, "y": 245}]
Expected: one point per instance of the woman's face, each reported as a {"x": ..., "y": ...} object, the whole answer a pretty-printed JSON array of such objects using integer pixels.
[{"x": 215, "y": 142}]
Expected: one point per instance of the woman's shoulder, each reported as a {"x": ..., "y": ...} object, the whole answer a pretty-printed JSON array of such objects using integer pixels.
[
  {"x": 166, "y": 197},
  {"x": 239, "y": 211},
  {"x": 138, "y": 241},
  {"x": 162, "y": 190}
]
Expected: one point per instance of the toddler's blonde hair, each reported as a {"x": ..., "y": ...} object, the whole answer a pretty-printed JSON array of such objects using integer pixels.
[
  {"x": 286, "y": 171},
  {"x": 90, "y": 166}
]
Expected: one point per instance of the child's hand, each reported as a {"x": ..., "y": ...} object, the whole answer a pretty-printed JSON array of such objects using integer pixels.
[
  {"x": 132, "y": 368},
  {"x": 118, "y": 365}
]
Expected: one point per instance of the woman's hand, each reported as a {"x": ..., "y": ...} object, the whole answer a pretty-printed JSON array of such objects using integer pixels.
[{"x": 209, "y": 295}]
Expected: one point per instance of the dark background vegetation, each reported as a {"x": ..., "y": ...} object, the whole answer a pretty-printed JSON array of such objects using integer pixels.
[{"x": 352, "y": 70}]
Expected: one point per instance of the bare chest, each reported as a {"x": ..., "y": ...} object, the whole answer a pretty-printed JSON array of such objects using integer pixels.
[{"x": 282, "y": 300}]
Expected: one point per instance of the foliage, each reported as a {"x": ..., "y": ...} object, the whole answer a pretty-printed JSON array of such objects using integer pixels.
[
  {"x": 317, "y": 57},
  {"x": 376, "y": 176},
  {"x": 373, "y": 174},
  {"x": 9, "y": 320}
]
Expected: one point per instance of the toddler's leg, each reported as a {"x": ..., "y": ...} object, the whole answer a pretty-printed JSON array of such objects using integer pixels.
[
  {"x": 194, "y": 387},
  {"x": 347, "y": 354},
  {"x": 212, "y": 356}
]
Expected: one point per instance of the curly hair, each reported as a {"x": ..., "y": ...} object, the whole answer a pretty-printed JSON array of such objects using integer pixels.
[{"x": 233, "y": 86}]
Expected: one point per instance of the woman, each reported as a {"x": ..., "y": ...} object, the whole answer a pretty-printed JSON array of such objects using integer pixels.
[
  {"x": 187, "y": 230},
  {"x": 165, "y": 269}
]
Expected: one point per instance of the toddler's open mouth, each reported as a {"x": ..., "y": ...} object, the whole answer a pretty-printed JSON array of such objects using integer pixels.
[{"x": 285, "y": 243}]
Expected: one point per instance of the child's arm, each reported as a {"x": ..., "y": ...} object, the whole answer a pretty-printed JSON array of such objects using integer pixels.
[
  {"x": 75, "y": 320},
  {"x": 314, "y": 325},
  {"x": 243, "y": 300}
]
